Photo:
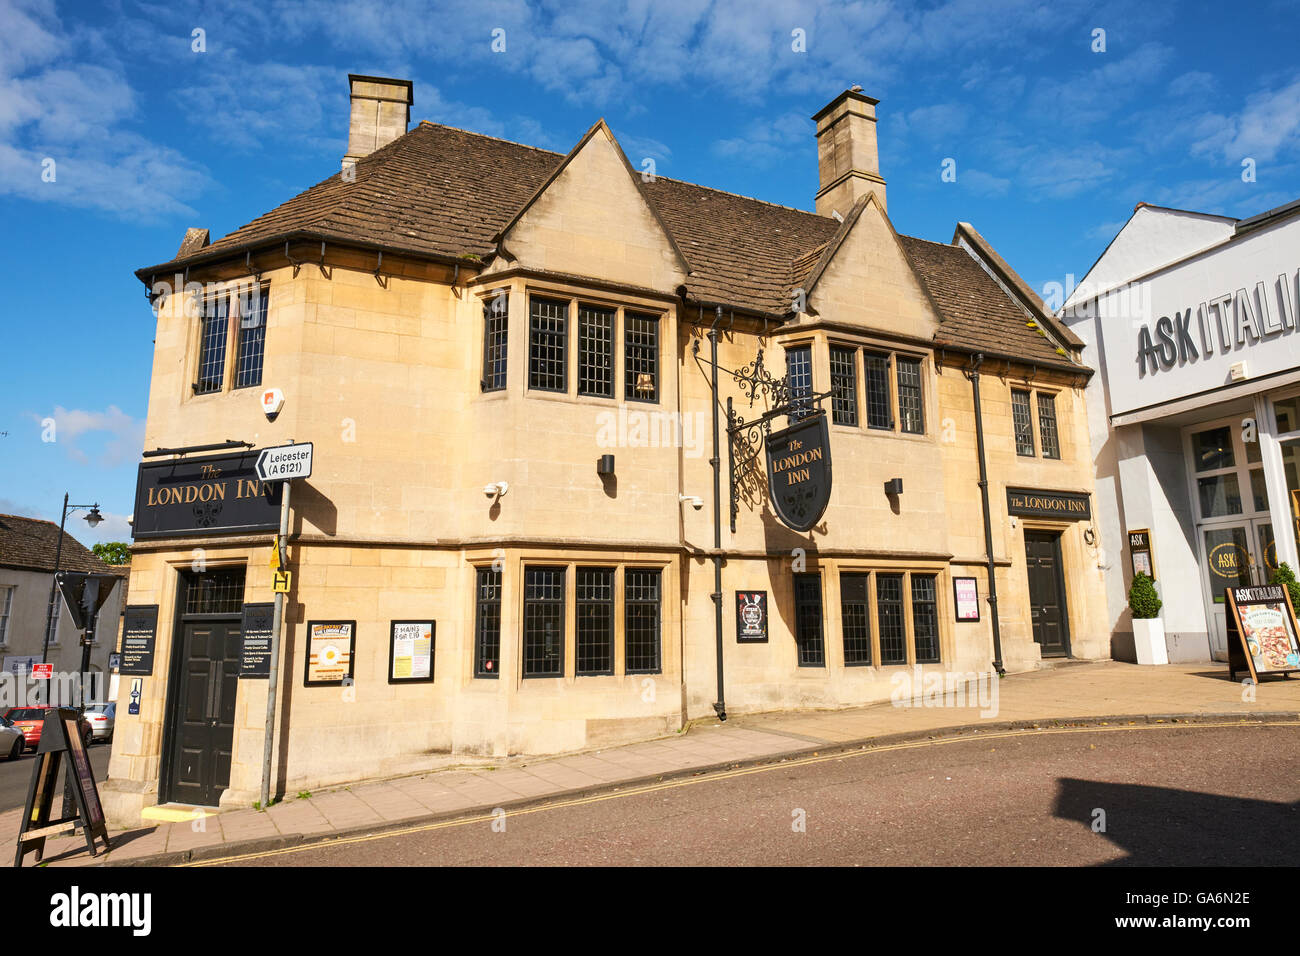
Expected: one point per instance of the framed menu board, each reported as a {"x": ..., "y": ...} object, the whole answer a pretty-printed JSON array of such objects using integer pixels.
[
  {"x": 966, "y": 598},
  {"x": 1139, "y": 551},
  {"x": 1262, "y": 632},
  {"x": 410, "y": 652},
  {"x": 331, "y": 647}
]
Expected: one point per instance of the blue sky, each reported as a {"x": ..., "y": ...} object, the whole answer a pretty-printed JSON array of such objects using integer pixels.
[{"x": 1054, "y": 142}]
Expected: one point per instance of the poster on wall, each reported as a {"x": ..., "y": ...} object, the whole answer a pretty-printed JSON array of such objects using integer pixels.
[
  {"x": 1262, "y": 632},
  {"x": 330, "y": 652},
  {"x": 1139, "y": 550},
  {"x": 410, "y": 652},
  {"x": 139, "y": 631},
  {"x": 751, "y": 617},
  {"x": 255, "y": 634},
  {"x": 966, "y": 598}
]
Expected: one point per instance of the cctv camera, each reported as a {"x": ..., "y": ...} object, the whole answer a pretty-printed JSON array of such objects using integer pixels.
[
  {"x": 496, "y": 489},
  {"x": 490, "y": 490},
  {"x": 697, "y": 503}
]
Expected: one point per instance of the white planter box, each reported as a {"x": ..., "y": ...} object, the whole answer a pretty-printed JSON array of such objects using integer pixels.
[{"x": 1149, "y": 641}]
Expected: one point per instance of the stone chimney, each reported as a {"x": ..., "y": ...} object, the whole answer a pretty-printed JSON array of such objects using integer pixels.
[
  {"x": 381, "y": 109},
  {"x": 848, "y": 165}
]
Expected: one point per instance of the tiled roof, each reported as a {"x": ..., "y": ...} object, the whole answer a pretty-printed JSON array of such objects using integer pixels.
[
  {"x": 445, "y": 192},
  {"x": 29, "y": 544},
  {"x": 977, "y": 314}
]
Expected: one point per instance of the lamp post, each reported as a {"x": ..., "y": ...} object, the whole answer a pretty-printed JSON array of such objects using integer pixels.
[{"x": 93, "y": 518}]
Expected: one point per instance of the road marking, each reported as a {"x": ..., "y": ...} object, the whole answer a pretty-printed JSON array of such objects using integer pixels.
[{"x": 728, "y": 774}]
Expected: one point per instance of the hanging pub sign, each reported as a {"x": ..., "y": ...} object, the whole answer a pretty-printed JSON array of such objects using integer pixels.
[
  {"x": 1139, "y": 552},
  {"x": 61, "y": 748},
  {"x": 1262, "y": 632},
  {"x": 255, "y": 633},
  {"x": 200, "y": 496},
  {"x": 139, "y": 630},
  {"x": 799, "y": 472},
  {"x": 330, "y": 652},
  {"x": 751, "y": 617},
  {"x": 1032, "y": 503}
]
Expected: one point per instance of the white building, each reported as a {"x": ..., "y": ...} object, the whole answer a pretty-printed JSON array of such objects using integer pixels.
[{"x": 1190, "y": 320}]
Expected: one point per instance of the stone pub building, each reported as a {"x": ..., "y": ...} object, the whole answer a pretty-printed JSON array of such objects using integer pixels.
[{"x": 509, "y": 542}]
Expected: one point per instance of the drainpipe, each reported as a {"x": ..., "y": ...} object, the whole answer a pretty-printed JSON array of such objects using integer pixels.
[
  {"x": 974, "y": 375},
  {"x": 720, "y": 705}
]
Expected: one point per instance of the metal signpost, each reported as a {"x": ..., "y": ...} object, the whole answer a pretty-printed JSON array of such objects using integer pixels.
[{"x": 282, "y": 463}]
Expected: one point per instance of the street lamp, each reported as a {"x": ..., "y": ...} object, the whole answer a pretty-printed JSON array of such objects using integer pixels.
[{"x": 93, "y": 518}]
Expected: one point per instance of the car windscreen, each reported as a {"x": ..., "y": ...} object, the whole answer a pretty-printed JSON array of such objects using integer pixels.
[{"x": 26, "y": 713}]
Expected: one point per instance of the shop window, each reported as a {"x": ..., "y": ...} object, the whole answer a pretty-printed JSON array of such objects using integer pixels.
[
  {"x": 496, "y": 328},
  {"x": 595, "y": 351},
  {"x": 1220, "y": 495},
  {"x": 642, "y": 603},
  {"x": 251, "y": 345},
  {"x": 1287, "y": 412},
  {"x": 595, "y": 621},
  {"x": 1023, "y": 424},
  {"x": 1047, "y": 436},
  {"x": 543, "y": 622},
  {"x": 798, "y": 368},
  {"x": 219, "y": 591},
  {"x": 880, "y": 408},
  {"x": 925, "y": 619},
  {"x": 844, "y": 385},
  {"x": 855, "y": 618},
  {"x": 548, "y": 333},
  {"x": 641, "y": 358},
  {"x": 911, "y": 408},
  {"x": 487, "y": 622},
  {"x": 889, "y": 613},
  {"x": 214, "y": 330},
  {"x": 6, "y": 610},
  {"x": 808, "y": 620}
]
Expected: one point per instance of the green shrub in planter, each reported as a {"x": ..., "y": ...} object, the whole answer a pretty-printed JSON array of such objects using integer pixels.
[
  {"x": 1284, "y": 575},
  {"x": 1142, "y": 598}
]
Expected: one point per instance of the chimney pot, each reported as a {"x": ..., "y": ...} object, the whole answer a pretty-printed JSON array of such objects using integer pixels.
[
  {"x": 381, "y": 110},
  {"x": 848, "y": 164}
]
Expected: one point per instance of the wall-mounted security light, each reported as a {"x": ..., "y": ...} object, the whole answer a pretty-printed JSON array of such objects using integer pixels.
[
  {"x": 894, "y": 486},
  {"x": 605, "y": 465},
  {"x": 497, "y": 489},
  {"x": 693, "y": 500}
]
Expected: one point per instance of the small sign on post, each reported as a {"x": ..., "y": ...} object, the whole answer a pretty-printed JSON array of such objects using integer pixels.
[
  {"x": 285, "y": 462},
  {"x": 42, "y": 671}
]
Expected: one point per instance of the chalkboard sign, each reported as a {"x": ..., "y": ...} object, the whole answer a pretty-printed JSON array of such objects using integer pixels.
[
  {"x": 1262, "y": 632},
  {"x": 139, "y": 631},
  {"x": 60, "y": 739},
  {"x": 255, "y": 660}
]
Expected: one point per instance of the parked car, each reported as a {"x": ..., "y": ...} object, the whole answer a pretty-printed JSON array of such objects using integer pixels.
[
  {"x": 101, "y": 717},
  {"x": 30, "y": 720},
  {"x": 11, "y": 739}
]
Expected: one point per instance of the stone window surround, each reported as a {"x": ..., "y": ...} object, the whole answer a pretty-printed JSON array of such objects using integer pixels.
[
  {"x": 192, "y": 312},
  {"x": 822, "y": 342},
  {"x": 1035, "y": 426},
  {"x": 521, "y": 289}
]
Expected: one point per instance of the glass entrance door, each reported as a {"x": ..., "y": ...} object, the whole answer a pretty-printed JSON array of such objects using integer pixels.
[{"x": 1234, "y": 527}]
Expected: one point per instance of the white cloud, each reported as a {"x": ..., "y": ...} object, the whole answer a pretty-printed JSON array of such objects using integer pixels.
[
  {"x": 123, "y": 435},
  {"x": 1268, "y": 125},
  {"x": 983, "y": 184}
]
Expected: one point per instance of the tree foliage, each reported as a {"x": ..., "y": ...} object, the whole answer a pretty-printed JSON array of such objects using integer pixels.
[{"x": 113, "y": 552}]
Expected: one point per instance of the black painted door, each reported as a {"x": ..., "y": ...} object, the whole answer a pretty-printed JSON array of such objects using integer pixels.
[
  {"x": 205, "y": 726},
  {"x": 1047, "y": 593}
]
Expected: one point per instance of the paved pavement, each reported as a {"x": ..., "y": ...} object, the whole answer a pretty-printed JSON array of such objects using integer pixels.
[
  {"x": 1159, "y": 794},
  {"x": 1073, "y": 693}
]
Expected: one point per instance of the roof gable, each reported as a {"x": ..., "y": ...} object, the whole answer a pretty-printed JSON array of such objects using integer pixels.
[{"x": 864, "y": 277}]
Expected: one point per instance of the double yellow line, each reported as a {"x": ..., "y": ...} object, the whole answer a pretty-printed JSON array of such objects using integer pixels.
[{"x": 728, "y": 774}]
